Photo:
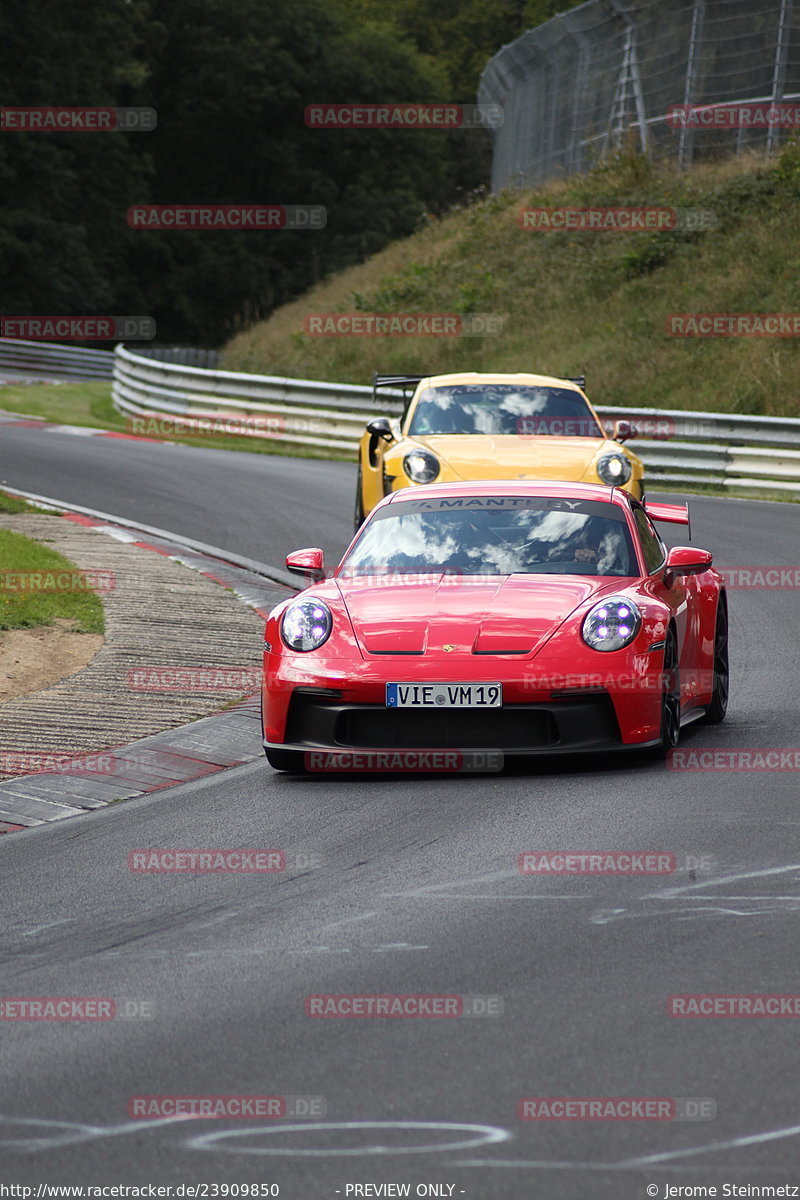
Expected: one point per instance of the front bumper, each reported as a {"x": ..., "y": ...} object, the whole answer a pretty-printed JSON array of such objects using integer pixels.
[
  {"x": 566, "y": 698},
  {"x": 321, "y": 719}
]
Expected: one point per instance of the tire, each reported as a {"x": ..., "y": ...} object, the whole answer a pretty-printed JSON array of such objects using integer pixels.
[
  {"x": 670, "y": 699},
  {"x": 286, "y": 760},
  {"x": 358, "y": 516},
  {"x": 719, "y": 696}
]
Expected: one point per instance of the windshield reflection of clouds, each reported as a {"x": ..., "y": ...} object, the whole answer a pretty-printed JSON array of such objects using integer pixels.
[
  {"x": 500, "y": 409},
  {"x": 526, "y": 404},
  {"x": 475, "y": 543}
]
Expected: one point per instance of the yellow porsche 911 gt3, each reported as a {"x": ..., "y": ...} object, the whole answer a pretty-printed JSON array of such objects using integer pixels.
[{"x": 487, "y": 426}]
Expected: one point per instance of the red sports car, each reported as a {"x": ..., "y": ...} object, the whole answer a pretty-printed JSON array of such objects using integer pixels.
[{"x": 512, "y": 618}]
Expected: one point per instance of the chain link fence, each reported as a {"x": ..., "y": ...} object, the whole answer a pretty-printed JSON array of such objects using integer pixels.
[{"x": 682, "y": 80}]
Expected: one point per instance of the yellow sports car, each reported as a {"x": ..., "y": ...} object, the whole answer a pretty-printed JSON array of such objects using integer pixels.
[{"x": 471, "y": 426}]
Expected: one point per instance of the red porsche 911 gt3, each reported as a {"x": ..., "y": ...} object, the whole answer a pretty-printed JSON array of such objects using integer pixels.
[{"x": 498, "y": 616}]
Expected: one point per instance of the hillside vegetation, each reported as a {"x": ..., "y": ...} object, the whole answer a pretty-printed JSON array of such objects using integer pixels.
[
  {"x": 579, "y": 301},
  {"x": 228, "y": 83}
]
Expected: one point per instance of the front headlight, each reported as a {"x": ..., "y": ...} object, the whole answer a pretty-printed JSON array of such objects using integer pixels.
[
  {"x": 614, "y": 468},
  {"x": 611, "y": 624},
  {"x": 421, "y": 466},
  {"x": 306, "y": 625}
]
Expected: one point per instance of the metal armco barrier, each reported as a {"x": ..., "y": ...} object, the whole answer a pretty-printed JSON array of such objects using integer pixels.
[
  {"x": 53, "y": 358},
  {"x": 724, "y": 449},
  {"x": 186, "y": 356},
  {"x": 677, "y": 447},
  {"x": 302, "y": 412}
]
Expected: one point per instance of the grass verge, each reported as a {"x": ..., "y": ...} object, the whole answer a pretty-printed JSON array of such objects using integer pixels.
[
  {"x": 24, "y": 604},
  {"x": 90, "y": 405},
  {"x": 13, "y": 504}
]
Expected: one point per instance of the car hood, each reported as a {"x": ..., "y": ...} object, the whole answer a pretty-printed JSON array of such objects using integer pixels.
[
  {"x": 510, "y": 456},
  {"x": 474, "y": 614}
]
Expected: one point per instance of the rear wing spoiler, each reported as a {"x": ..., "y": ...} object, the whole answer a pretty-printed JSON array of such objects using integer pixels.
[
  {"x": 672, "y": 514},
  {"x": 405, "y": 383}
]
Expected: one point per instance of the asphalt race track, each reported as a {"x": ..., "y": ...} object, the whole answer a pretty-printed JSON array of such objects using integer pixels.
[
  {"x": 416, "y": 891},
  {"x": 258, "y": 504}
]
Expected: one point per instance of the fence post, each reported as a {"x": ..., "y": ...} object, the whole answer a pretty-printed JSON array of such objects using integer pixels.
[
  {"x": 638, "y": 92},
  {"x": 686, "y": 141},
  {"x": 574, "y": 156},
  {"x": 552, "y": 87},
  {"x": 630, "y": 69},
  {"x": 779, "y": 69}
]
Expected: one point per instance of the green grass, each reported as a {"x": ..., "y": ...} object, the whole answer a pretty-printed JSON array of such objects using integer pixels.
[
  {"x": 580, "y": 302},
  {"x": 12, "y": 504},
  {"x": 24, "y": 608},
  {"x": 65, "y": 403},
  {"x": 90, "y": 404}
]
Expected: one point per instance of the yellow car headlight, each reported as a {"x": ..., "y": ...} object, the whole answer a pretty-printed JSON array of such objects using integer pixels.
[
  {"x": 421, "y": 466},
  {"x": 614, "y": 468}
]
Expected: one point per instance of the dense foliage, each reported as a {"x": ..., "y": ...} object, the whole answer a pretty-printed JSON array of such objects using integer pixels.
[{"x": 230, "y": 80}]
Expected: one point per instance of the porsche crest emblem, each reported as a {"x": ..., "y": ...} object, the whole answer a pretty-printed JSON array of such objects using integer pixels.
[{"x": 448, "y": 647}]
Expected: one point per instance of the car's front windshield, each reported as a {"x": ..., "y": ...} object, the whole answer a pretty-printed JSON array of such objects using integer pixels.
[
  {"x": 503, "y": 408},
  {"x": 494, "y": 535}
]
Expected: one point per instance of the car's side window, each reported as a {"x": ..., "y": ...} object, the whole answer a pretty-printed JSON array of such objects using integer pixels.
[{"x": 652, "y": 547}]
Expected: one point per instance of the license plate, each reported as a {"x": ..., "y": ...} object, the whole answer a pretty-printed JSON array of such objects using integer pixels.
[{"x": 444, "y": 695}]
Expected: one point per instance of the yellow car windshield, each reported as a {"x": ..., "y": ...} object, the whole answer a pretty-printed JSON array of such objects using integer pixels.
[{"x": 503, "y": 408}]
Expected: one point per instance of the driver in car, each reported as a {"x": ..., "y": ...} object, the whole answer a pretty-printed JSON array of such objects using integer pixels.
[{"x": 596, "y": 543}]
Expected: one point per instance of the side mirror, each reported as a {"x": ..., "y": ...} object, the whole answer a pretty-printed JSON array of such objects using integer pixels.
[
  {"x": 381, "y": 428},
  {"x": 307, "y": 562},
  {"x": 685, "y": 560},
  {"x": 624, "y": 430}
]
